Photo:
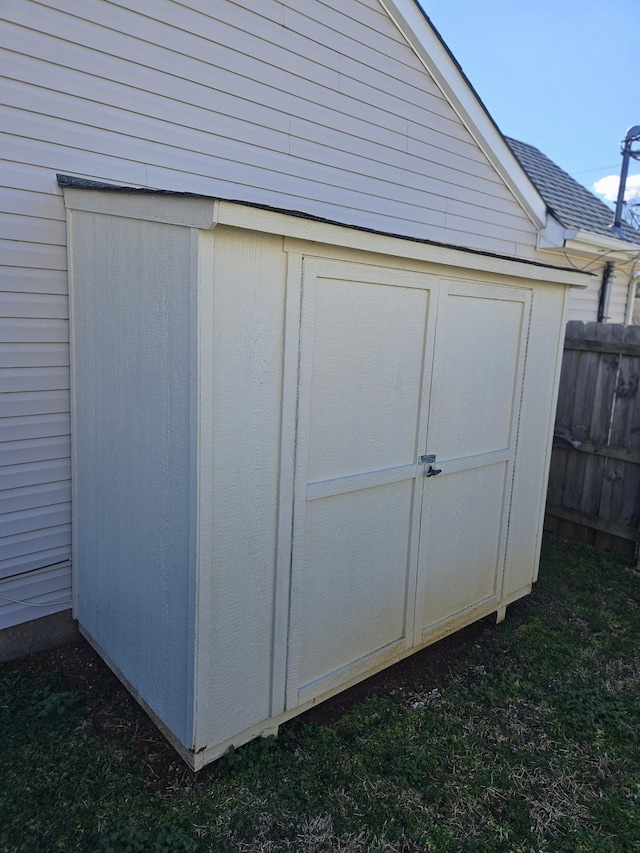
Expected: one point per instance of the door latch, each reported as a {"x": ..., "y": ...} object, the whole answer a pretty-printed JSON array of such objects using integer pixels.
[{"x": 428, "y": 459}]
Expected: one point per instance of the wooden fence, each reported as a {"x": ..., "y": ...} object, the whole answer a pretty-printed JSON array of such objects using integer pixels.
[{"x": 594, "y": 482}]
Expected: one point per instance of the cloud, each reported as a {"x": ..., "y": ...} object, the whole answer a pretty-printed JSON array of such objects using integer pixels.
[{"x": 608, "y": 187}]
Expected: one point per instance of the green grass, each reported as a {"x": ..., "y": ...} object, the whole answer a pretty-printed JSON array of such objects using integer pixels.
[{"x": 518, "y": 737}]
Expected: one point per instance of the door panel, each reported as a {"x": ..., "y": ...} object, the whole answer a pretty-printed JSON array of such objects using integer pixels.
[
  {"x": 477, "y": 385},
  {"x": 381, "y": 553},
  {"x": 355, "y": 596},
  {"x": 365, "y": 357},
  {"x": 480, "y": 346},
  {"x": 453, "y": 580},
  {"x": 368, "y": 344}
]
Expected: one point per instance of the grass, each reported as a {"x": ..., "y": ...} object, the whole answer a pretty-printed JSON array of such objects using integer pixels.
[{"x": 518, "y": 737}]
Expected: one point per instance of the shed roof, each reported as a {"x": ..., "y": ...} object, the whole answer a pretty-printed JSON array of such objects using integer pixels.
[{"x": 573, "y": 205}]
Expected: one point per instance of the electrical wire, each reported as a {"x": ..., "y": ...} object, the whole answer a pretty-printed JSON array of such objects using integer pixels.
[{"x": 34, "y": 603}]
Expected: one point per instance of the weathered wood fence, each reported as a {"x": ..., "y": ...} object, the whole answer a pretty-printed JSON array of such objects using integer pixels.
[{"x": 594, "y": 482}]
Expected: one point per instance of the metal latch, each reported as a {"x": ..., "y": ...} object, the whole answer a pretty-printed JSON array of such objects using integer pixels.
[{"x": 427, "y": 459}]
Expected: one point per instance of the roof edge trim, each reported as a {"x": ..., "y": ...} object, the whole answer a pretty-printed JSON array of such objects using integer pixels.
[
  {"x": 597, "y": 243},
  {"x": 202, "y": 211}
]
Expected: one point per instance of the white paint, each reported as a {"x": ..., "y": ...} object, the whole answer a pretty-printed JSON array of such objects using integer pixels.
[
  {"x": 133, "y": 493},
  {"x": 473, "y": 426},
  {"x": 591, "y": 252}
]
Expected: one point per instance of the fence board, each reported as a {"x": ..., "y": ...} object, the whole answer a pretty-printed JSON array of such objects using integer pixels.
[{"x": 594, "y": 490}]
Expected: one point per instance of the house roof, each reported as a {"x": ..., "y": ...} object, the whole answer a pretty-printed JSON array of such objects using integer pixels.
[{"x": 573, "y": 205}]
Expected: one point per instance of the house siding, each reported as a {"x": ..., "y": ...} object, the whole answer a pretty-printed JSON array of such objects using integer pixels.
[
  {"x": 336, "y": 117},
  {"x": 583, "y": 302},
  {"x": 616, "y": 311},
  {"x": 320, "y": 107}
]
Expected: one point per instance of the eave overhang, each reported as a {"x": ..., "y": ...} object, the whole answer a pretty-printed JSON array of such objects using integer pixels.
[
  {"x": 554, "y": 237},
  {"x": 205, "y": 212}
]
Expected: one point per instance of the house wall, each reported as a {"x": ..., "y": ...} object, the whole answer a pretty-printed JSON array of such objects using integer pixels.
[
  {"x": 583, "y": 302},
  {"x": 320, "y": 107}
]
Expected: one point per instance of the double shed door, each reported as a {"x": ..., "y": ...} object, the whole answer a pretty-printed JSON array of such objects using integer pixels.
[{"x": 393, "y": 365}]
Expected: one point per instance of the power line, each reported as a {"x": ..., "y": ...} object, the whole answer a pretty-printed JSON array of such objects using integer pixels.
[{"x": 599, "y": 169}]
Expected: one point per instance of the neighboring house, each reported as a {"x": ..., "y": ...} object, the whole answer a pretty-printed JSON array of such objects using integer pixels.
[
  {"x": 579, "y": 230},
  {"x": 351, "y": 111}
]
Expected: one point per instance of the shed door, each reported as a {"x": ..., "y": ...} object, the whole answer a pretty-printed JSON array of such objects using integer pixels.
[
  {"x": 473, "y": 427},
  {"x": 366, "y": 344},
  {"x": 382, "y": 553}
]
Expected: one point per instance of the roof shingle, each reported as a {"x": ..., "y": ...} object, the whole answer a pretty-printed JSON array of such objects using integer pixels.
[{"x": 573, "y": 205}]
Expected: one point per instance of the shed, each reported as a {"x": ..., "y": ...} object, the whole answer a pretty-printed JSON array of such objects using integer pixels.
[
  {"x": 301, "y": 451},
  {"x": 305, "y": 278}
]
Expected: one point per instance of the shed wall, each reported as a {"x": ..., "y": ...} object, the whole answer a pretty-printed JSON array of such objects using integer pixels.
[
  {"x": 236, "y": 588},
  {"x": 320, "y": 107},
  {"x": 134, "y": 493}
]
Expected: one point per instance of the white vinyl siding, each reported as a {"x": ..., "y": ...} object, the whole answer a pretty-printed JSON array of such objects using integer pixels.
[
  {"x": 319, "y": 106},
  {"x": 46, "y": 591},
  {"x": 321, "y": 111},
  {"x": 618, "y": 296},
  {"x": 583, "y": 302},
  {"x": 35, "y": 493}
]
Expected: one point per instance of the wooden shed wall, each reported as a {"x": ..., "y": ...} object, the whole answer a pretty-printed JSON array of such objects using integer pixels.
[
  {"x": 140, "y": 444},
  {"x": 320, "y": 106}
]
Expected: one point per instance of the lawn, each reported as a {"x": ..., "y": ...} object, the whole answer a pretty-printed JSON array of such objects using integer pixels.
[{"x": 519, "y": 737}]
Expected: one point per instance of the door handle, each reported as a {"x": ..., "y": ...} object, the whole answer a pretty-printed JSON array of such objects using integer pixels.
[{"x": 432, "y": 472}]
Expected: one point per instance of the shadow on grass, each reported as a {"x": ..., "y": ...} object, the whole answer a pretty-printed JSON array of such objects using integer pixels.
[{"x": 517, "y": 737}]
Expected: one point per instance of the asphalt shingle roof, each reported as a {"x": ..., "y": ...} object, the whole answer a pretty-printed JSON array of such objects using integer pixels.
[{"x": 573, "y": 205}]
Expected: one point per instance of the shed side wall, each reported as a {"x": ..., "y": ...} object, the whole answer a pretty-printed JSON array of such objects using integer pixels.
[{"x": 134, "y": 495}]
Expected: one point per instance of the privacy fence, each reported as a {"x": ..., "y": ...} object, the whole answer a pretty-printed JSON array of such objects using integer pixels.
[{"x": 594, "y": 482}]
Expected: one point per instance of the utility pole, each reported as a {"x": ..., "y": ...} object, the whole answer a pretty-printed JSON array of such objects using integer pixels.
[{"x": 632, "y": 135}]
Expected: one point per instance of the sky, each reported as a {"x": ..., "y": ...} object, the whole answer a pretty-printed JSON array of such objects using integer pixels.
[{"x": 563, "y": 75}]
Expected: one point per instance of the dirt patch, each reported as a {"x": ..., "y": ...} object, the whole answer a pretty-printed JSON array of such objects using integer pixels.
[
  {"x": 113, "y": 713},
  {"x": 417, "y": 673}
]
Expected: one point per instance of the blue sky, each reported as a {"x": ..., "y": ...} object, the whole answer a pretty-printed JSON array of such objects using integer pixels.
[{"x": 563, "y": 75}]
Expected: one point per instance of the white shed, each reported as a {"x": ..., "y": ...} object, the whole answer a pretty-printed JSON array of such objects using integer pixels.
[{"x": 301, "y": 452}]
